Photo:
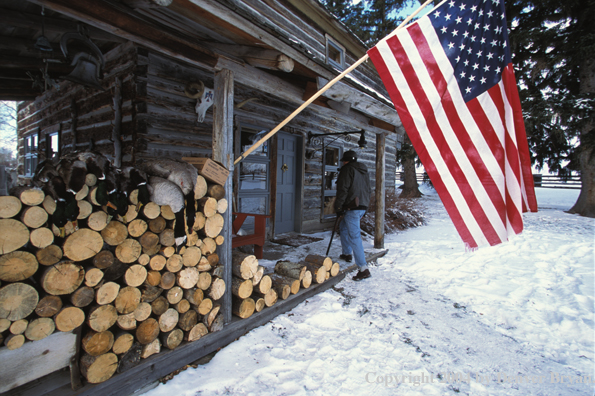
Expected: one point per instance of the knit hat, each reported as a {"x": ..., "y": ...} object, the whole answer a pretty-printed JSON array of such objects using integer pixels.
[{"x": 349, "y": 156}]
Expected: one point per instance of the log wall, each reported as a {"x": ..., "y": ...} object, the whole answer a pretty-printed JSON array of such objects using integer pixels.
[
  {"x": 159, "y": 120},
  {"x": 82, "y": 114}
]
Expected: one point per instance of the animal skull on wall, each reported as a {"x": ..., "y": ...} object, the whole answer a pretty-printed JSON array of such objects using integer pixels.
[{"x": 203, "y": 95}]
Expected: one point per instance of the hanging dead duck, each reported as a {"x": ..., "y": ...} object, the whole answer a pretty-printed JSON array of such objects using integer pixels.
[
  {"x": 180, "y": 173},
  {"x": 165, "y": 192}
]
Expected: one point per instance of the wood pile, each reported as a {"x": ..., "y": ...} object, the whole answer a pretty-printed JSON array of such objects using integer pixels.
[
  {"x": 119, "y": 276},
  {"x": 253, "y": 290}
]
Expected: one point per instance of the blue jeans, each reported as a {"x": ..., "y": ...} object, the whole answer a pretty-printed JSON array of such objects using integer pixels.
[{"x": 351, "y": 237}]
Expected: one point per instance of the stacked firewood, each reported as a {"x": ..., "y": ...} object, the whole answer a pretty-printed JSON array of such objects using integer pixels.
[
  {"x": 253, "y": 289},
  {"x": 121, "y": 277}
]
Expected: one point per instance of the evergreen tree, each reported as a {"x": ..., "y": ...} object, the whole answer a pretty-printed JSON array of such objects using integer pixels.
[
  {"x": 553, "y": 47},
  {"x": 371, "y": 23},
  {"x": 350, "y": 14}
]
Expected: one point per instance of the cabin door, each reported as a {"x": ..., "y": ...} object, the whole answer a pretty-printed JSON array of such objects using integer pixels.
[{"x": 285, "y": 210}]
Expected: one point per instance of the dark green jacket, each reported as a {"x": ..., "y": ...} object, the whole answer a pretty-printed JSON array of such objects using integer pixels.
[{"x": 353, "y": 181}]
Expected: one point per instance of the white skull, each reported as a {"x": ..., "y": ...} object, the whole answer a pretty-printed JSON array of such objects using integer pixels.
[{"x": 204, "y": 102}]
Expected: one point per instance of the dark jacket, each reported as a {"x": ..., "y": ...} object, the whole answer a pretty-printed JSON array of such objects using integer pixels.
[{"x": 353, "y": 181}]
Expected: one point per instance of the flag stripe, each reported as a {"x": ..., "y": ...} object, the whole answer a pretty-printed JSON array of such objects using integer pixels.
[
  {"x": 429, "y": 135},
  {"x": 422, "y": 152},
  {"x": 472, "y": 145},
  {"x": 446, "y": 128},
  {"x": 463, "y": 118}
]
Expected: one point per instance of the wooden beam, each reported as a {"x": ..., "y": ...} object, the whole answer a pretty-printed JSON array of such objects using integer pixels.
[
  {"x": 380, "y": 191},
  {"x": 51, "y": 25},
  {"x": 119, "y": 20},
  {"x": 222, "y": 152},
  {"x": 240, "y": 20},
  {"x": 261, "y": 80},
  {"x": 258, "y": 57},
  {"x": 342, "y": 92},
  {"x": 278, "y": 88},
  {"x": 147, "y": 3}
]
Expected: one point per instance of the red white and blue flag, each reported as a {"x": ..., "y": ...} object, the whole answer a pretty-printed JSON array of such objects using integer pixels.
[{"x": 450, "y": 77}]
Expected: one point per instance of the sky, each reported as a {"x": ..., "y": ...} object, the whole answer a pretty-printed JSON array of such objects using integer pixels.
[{"x": 434, "y": 319}]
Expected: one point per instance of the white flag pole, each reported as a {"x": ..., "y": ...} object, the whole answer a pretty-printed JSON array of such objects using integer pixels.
[{"x": 320, "y": 92}]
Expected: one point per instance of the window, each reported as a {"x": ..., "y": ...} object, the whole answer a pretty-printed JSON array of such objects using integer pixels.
[
  {"x": 335, "y": 53},
  {"x": 330, "y": 172},
  {"x": 53, "y": 145},
  {"x": 30, "y": 155},
  {"x": 254, "y": 183}
]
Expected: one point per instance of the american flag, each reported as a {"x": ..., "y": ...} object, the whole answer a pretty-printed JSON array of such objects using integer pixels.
[{"x": 450, "y": 77}]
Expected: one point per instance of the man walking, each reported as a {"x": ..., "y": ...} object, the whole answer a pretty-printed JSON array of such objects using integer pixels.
[{"x": 353, "y": 197}]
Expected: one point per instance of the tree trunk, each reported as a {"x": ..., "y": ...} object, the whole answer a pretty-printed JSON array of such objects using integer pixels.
[
  {"x": 269, "y": 298},
  {"x": 13, "y": 235},
  {"x": 175, "y": 295},
  {"x": 69, "y": 318},
  {"x": 307, "y": 280},
  {"x": 142, "y": 311},
  {"x": 127, "y": 300},
  {"x": 101, "y": 317},
  {"x": 291, "y": 269},
  {"x": 243, "y": 308},
  {"x": 217, "y": 289},
  {"x": 188, "y": 320},
  {"x": 147, "y": 331},
  {"x": 585, "y": 204},
  {"x": 82, "y": 297},
  {"x": 9, "y": 206},
  {"x": 107, "y": 293},
  {"x": 17, "y": 266},
  {"x": 17, "y": 301},
  {"x": 49, "y": 255},
  {"x": 123, "y": 342},
  {"x": 129, "y": 251},
  {"x": 48, "y": 306},
  {"x": 96, "y": 344},
  {"x": 172, "y": 339},
  {"x": 169, "y": 320},
  {"x": 98, "y": 369},
  {"x": 188, "y": 277},
  {"x": 320, "y": 260},
  {"x": 40, "y": 328},
  {"x": 410, "y": 186},
  {"x": 197, "y": 332},
  {"x": 241, "y": 287}
]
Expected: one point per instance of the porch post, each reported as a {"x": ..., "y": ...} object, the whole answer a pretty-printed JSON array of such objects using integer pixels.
[
  {"x": 380, "y": 190},
  {"x": 223, "y": 153}
]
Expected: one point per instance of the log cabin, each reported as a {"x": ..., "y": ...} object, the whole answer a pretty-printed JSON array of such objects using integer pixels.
[
  {"x": 149, "y": 60},
  {"x": 143, "y": 79}
]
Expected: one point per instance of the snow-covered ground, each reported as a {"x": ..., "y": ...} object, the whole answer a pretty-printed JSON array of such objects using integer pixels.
[{"x": 513, "y": 319}]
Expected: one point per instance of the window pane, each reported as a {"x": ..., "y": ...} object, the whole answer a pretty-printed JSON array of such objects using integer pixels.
[
  {"x": 251, "y": 136},
  {"x": 257, "y": 205},
  {"x": 54, "y": 144},
  {"x": 27, "y": 144},
  {"x": 330, "y": 180},
  {"x": 331, "y": 156},
  {"x": 34, "y": 143},
  {"x": 329, "y": 203},
  {"x": 253, "y": 176},
  {"x": 334, "y": 54}
]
